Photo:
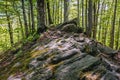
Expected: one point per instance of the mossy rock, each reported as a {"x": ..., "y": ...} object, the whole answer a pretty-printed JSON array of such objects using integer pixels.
[{"x": 71, "y": 28}]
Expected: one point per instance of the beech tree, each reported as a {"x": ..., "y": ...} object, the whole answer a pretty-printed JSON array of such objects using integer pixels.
[
  {"x": 66, "y": 10},
  {"x": 32, "y": 15},
  {"x": 113, "y": 26},
  {"x": 98, "y": 18},
  {"x": 9, "y": 25},
  {"x": 41, "y": 16},
  {"x": 25, "y": 18},
  {"x": 90, "y": 18}
]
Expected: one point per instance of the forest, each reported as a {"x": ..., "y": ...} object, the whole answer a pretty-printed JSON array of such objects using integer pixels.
[
  {"x": 59, "y": 39},
  {"x": 19, "y": 19}
]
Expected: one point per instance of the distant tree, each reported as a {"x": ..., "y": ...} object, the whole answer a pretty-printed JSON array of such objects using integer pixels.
[
  {"x": 82, "y": 13},
  {"x": 32, "y": 15},
  {"x": 86, "y": 17},
  {"x": 49, "y": 14},
  {"x": 96, "y": 7},
  {"x": 25, "y": 18},
  {"x": 29, "y": 18},
  {"x": 9, "y": 25},
  {"x": 118, "y": 36},
  {"x": 61, "y": 16},
  {"x": 17, "y": 12},
  {"x": 78, "y": 13},
  {"x": 113, "y": 26},
  {"x": 66, "y": 10},
  {"x": 90, "y": 18}
]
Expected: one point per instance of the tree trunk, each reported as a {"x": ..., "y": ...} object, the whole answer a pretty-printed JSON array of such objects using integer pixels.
[
  {"x": 53, "y": 10},
  {"x": 49, "y": 15},
  {"x": 90, "y": 19},
  {"x": 78, "y": 13},
  {"x": 118, "y": 35},
  {"x": 21, "y": 26},
  {"x": 29, "y": 19},
  {"x": 41, "y": 16},
  {"x": 25, "y": 19},
  {"x": 9, "y": 27},
  {"x": 96, "y": 14},
  {"x": 113, "y": 26},
  {"x": 86, "y": 17},
  {"x": 83, "y": 13},
  {"x": 101, "y": 12},
  {"x": 32, "y": 15},
  {"x": 94, "y": 19},
  {"x": 66, "y": 10},
  {"x": 61, "y": 20}
]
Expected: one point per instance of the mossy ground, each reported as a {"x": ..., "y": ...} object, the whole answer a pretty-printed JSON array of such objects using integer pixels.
[{"x": 23, "y": 54}]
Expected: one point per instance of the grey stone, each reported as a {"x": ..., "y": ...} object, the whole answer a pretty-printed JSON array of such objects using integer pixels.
[{"x": 72, "y": 71}]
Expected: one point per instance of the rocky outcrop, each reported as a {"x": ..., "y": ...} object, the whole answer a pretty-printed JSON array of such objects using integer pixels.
[
  {"x": 62, "y": 55},
  {"x": 74, "y": 57}
]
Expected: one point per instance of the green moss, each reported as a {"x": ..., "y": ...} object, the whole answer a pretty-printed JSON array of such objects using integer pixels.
[
  {"x": 38, "y": 52},
  {"x": 19, "y": 54}
]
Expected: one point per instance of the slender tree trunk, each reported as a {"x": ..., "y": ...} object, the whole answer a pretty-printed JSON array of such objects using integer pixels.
[
  {"x": 94, "y": 19},
  {"x": 32, "y": 15},
  {"x": 53, "y": 10},
  {"x": 10, "y": 30},
  {"x": 86, "y": 17},
  {"x": 90, "y": 19},
  {"x": 96, "y": 14},
  {"x": 118, "y": 36},
  {"x": 29, "y": 19},
  {"x": 25, "y": 19},
  {"x": 78, "y": 9},
  {"x": 106, "y": 30},
  {"x": 20, "y": 22},
  {"x": 49, "y": 14},
  {"x": 101, "y": 12},
  {"x": 61, "y": 20},
  {"x": 66, "y": 10},
  {"x": 55, "y": 16},
  {"x": 58, "y": 6},
  {"x": 9, "y": 26},
  {"x": 83, "y": 13},
  {"x": 113, "y": 26}
]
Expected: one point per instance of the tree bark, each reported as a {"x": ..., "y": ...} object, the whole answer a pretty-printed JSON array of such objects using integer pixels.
[
  {"x": 21, "y": 26},
  {"x": 25, "y": 19},
  {"x": 118, "y": 36},
  {"x": 96, "y": 14},
  {"x": 78, "y": 13},
  {"x": 9, "y": 26},
  {"x": 83, "y": 13},
  {"x": 41, "y": 16},
  {"x": 86, "y": 17},
  {"x": 61, "y": 19},
  {"x": 113, "y": 26},
  {"x": 66, "y": 10},
  {"x": 90, "y": 19},
  {"x": 19, "y": 18},
  {"x": 29, "y": 19},
  {"x": 49, "y": 14},
  {"x": 32, "y": 15}
]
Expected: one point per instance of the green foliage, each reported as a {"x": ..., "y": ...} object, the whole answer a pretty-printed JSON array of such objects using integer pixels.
[
  {"x": 19, "y": 54},
  {"x": 14, "y": 10}
]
